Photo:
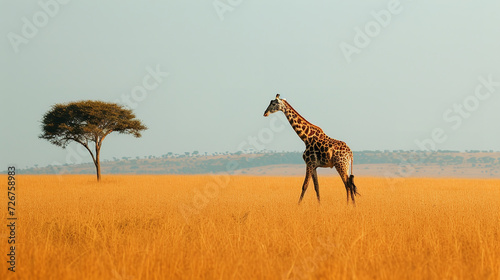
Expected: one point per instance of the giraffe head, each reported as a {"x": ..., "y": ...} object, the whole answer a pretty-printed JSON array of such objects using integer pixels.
[{"x": 275, "y": 106}]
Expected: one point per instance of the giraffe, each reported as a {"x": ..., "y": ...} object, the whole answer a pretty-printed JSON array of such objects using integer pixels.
[{"x": 321, "y": 150}]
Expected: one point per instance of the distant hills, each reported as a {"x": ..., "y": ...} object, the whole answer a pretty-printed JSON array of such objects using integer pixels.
[{"x": 485, "y": 163}]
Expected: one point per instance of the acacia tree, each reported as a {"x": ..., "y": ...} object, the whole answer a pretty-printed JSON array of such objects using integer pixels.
[{"x": 88, "y": 122}]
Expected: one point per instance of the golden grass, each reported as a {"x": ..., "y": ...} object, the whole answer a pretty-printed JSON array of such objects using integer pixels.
[{"x": 165, "y": 227}]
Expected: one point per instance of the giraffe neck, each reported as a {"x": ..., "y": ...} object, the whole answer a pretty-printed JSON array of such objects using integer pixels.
[{"x": 304, "y": 129}]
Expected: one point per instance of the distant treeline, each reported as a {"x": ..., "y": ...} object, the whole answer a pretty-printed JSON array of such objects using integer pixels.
[{"x": 194, "y": 163}]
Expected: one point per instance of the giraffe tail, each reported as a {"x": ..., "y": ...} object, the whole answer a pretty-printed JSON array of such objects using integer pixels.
[
  {"x": 353, "y": 186},
  {"x": 351, "y": 180}
]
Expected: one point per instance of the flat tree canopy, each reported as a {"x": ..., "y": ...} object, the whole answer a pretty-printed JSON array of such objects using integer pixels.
[{"x": 87, "y": 122}]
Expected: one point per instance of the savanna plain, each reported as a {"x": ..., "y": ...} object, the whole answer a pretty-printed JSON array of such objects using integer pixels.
[{"x": 244, "y": 227}]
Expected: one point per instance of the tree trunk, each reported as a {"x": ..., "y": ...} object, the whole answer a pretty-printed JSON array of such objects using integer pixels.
[
  {"x": 98, "y": 169},
  {"x": 96, "y": 158},
  {"x": 97, "y": 163}
]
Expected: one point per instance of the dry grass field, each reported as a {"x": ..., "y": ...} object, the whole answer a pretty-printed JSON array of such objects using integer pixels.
[{"x": 206, "y": 227}]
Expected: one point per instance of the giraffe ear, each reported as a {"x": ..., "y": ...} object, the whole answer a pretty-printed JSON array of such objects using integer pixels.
[{"x": 277, "y": 96}]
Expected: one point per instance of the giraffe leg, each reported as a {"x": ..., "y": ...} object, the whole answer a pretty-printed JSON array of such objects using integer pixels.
[
  {"x": 306, "y": 182},
  {"x": 316, "y": 184},
  {"x": 345, "y": 180},
  {"x": 347, "y": 190}
]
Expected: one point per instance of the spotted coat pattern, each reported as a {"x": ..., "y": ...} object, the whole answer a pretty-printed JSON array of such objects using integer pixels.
[{"x": 321, "y": 150}]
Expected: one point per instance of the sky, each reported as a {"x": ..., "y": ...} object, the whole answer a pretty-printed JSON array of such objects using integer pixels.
[{"x": 379, "y": 75}]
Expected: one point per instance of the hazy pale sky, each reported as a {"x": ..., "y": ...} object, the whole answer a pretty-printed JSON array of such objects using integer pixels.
[{"x": 199, "y": 74}]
